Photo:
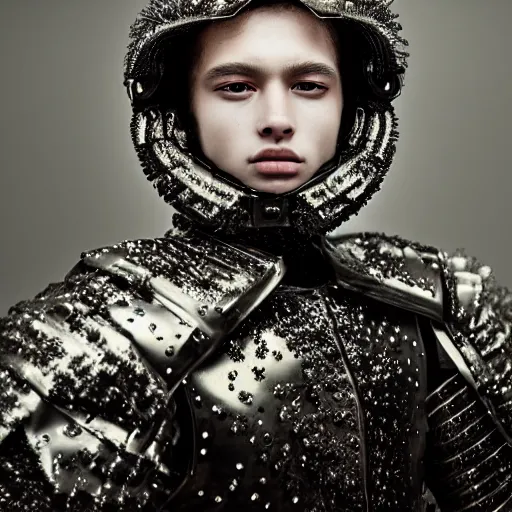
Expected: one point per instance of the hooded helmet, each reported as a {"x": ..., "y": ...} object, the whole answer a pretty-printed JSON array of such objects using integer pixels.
[{"x": 193, "y": 185}]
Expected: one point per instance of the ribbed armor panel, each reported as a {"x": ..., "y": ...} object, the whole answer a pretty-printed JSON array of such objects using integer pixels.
[{"x": 469, "y": 462}]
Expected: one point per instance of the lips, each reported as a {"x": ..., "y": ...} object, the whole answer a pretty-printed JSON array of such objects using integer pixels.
[
  {"x": 278, "y": 167},
  {"x": 277, "y": 162},
  {"x": 276, "y": 154}
]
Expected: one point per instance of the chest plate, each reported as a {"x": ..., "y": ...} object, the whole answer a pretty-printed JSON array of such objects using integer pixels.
[{"x": 315, "y": 403}]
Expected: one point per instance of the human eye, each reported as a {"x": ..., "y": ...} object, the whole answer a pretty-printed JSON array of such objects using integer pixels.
[
  {"x": 310, "y": 86},
  {"x": 234, "y": 88}
]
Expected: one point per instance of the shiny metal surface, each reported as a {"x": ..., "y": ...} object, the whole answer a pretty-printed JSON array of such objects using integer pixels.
[
  {"x": 297, "y": 418},
  {"x": 94, "y": 360},
  {"x": 390, "y": 269},
  {"x": 469, "y": 462},
  {"x": 312, "y": 399}
]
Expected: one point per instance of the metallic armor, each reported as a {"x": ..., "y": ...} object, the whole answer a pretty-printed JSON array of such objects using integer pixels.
[{"x": 208, "y": 370}]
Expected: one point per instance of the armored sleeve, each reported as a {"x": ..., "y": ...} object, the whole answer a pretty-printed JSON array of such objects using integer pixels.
[
  {"x": 90, "y": 367},
  {"x": 469, "y": 457}
]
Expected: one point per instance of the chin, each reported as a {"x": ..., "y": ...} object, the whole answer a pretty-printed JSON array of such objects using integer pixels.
[{"x": 278, "y": 186}]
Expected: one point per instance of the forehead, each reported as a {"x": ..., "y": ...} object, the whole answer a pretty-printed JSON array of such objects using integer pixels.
[{"x": 266, "y": 35}]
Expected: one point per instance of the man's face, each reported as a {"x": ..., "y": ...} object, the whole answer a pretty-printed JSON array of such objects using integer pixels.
[{"x": 268, "y": 80}]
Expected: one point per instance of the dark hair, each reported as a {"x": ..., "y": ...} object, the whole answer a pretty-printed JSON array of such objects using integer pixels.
[{"x": 367, "y": 67}]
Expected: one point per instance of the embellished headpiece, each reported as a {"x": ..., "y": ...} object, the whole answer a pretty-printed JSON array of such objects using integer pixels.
[{"x": 195, "y": 187}]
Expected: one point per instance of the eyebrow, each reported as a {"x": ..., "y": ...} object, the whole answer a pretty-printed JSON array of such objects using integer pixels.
[{"x": 292, "y": 70}]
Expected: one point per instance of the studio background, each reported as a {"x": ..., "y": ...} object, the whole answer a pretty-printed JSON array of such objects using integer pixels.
[{"x": 70, "y": 180}]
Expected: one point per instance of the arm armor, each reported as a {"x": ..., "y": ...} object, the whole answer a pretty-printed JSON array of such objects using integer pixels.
[
  {"x": 90, "y": 368},
  {"x": 470, "y": 463},
  {"x": 467, "y": 317}
]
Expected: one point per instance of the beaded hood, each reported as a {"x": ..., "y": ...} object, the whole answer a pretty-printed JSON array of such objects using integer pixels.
[{"x": 198, "y": 189}]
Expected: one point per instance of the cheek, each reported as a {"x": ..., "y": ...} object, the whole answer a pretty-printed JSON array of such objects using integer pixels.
[
  {"x": 323, "y": 114},
  {"x": 220, "y": 134},
  {"x": 332, "y": 120},
  {"x": 214, "y": 115},
  {"x": 209, "y": 123},
  {"x": 324, "y": 125},
  {"x": 321, "y": 132},
  {"x": 220, "y": 127}
]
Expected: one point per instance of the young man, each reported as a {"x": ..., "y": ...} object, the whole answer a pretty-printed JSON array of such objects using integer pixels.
[{"x": 245, "y": 360}]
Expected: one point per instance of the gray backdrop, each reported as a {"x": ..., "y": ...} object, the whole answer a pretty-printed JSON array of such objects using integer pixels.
[{"x": 70, "y": 180}]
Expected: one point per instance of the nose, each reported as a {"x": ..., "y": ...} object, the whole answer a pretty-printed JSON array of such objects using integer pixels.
[
  {"x": 276, "y": 120},
  {"x": 277, "y": 128}
]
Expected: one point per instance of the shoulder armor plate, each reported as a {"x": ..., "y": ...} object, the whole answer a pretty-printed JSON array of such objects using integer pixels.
[
  {"x": 100, "y": 354},
  {"x": 207, "y": 285},
  {"x": 390, "y": 269}
]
